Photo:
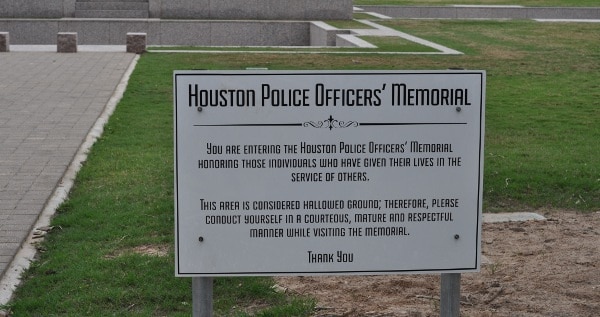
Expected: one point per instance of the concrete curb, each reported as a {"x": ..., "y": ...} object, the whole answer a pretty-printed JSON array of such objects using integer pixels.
[{"x": 512, "y": 217}]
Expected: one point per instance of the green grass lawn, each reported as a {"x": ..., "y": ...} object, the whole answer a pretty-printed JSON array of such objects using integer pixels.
[{"x": 541, "y": 152}]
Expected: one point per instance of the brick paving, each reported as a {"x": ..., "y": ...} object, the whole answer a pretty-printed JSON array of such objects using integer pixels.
[{"x": 48, "y": 104}]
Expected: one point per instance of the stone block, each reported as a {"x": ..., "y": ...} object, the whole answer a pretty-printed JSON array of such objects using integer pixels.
[
  {"x": 66, "y": 42},
  {"x": 136, "y": 43},
  {"x": 4, "y": 42}
]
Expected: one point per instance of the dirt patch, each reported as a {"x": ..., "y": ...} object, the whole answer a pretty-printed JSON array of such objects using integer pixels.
[
  {"x": 537, "y": 268},
  {"x": 147, "y": 250}
]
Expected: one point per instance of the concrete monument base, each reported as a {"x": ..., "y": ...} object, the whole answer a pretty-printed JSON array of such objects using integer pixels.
[
  {"x": 160, "y": 32},
  {"x": 173, "y": 32},
  {"x": 182, "y": 9},
  {"x": 252, "y": 9},
  {"x": 174, "y": 22}
]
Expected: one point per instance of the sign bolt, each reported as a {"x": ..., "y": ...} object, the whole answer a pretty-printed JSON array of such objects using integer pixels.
[
  {"x": 200, "y": 239},
  {"x": 456, "y": 236},
  {"x": 458, "y": 109},
  {"x": 199, "y": 109}
]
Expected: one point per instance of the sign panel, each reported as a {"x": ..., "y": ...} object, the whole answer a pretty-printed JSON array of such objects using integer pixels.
[{"x": 328, "y": 172}]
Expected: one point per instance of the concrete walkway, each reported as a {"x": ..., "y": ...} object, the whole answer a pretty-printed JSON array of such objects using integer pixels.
[
  {"x": 49, "y": 102},
  {"x": 483, "y": 12}
]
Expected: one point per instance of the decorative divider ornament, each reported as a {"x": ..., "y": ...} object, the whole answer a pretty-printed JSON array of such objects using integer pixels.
[{"x": 331, "y": 123}]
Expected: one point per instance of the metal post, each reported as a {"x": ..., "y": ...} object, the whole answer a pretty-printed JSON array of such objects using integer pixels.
[
  {"x": 202, "y": 296},
  {"x": 450, "y": 295}
]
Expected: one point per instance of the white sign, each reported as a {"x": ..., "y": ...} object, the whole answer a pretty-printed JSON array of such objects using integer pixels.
[{"x": 328, "y": 172}]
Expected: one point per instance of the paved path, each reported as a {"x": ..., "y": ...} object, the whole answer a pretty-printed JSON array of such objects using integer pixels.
[
  {"x": 48, "y": 104},
  {"x": 589, "y": 14}
]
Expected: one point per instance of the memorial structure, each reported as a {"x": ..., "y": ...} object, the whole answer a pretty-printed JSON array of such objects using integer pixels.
[{"x": 172, "y": 22}]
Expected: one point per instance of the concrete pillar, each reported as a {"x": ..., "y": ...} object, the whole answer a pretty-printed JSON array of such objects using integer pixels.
[
  {"x": 136, "y": 43},
  {"x": 66, "y": 42},
  {"x": 4, "y": 42}
]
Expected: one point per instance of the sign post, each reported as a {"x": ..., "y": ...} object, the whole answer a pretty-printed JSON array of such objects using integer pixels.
[
  {"x": 328, "y": 172},
  {"x": 450, "y": 295},
  {"x": 202, "y": 296}
]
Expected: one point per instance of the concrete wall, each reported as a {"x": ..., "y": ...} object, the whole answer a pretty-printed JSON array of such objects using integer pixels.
[
  {"x": 37, "y": 8},
  {"x": 197, "y": 9},
  {"x": 252, "y": 9},
  {"x": 161, "y": 32}
]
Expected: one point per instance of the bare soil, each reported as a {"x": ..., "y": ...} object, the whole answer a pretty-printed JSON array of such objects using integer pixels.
[{"x": 534, "y": 268}]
